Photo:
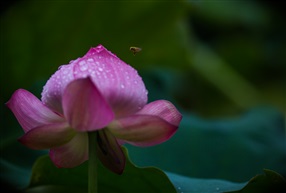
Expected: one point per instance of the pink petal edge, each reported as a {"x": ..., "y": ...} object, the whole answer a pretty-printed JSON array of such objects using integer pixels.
[
  {"x": 47, "y": 136},
  {"x": 142, "y": 130},
  {"x": 164, "y": 109},
  {"x": 30, "y": 111}
]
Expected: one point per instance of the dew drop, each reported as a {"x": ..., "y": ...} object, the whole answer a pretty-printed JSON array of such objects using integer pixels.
[
  {"x": 65, "y": 71},
  {"x": 60, "y": 67},
  {"x": 100, "y": 69},
  {"x": 90, "y": 60},
  {"x": 83, "y": 68},
  {"x": 122, "y": 86},
  {"x": 81, "y": 63},
  {"x": 98, "y": 48},
  {"x": 135, "y": 82}
]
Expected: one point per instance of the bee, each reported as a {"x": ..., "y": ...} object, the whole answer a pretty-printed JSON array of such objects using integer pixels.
[{"x": 135, "y": 50}]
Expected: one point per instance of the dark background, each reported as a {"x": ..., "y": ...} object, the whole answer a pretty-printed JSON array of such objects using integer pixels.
[{"x": 222, "y": 63}]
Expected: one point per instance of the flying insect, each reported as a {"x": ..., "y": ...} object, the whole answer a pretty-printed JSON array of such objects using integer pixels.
[{"x": 135, "y": 50}]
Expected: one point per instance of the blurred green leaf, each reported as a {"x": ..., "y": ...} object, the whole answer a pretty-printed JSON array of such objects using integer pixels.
[
  {"x": 249, "y": 13},
  {"x": 55, "y": 189},
  {"x": 195, "y": 185},
  {"x": 270, "y": 181},
  {"x": 231, "y": 148},
  {"x": 47, "y": 178},
  {"x": 221, "y": 75}
]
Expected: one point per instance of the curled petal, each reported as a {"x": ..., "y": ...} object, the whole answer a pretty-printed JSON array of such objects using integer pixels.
[
  {"x": 118, "y": 82},
  {"x": 163, "y": 109},
  {"x": 72, "y": 153},
  {"x": 30, "y": 111},
  {"x": 110, "y": 152},
  {"x": 142, "y": 130},
  {"x": 84, "y": 107},
  {"x": 48, "y": 136}
]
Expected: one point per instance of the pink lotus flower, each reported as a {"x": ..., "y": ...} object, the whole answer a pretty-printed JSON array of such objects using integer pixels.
[{"x": 97, "y": 92}]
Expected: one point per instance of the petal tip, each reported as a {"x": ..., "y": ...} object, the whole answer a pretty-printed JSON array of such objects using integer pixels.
[
  {"x": 24, "y": 141},
  {"x": 14, "y": 96},
  {"x": 99, "y": 50}
]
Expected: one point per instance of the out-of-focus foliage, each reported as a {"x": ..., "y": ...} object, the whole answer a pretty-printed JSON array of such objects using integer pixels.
[
  {"x": 268, "y": 182},
  {"x": 231, "y": 148},
  {"x": 213, "y": 59},
  {"x": 47, "y": 178}
]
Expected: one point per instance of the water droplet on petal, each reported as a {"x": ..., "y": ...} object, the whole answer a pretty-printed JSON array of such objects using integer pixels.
[
  {"x": 99, "y": 48},
  {"x": 83, "y": 68},
  {"x": 81, "y": 63},
  {"x": 122, "y": 86},
  {"x": 90, "y": 60},
  {"x": 100, "y": 69}
]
